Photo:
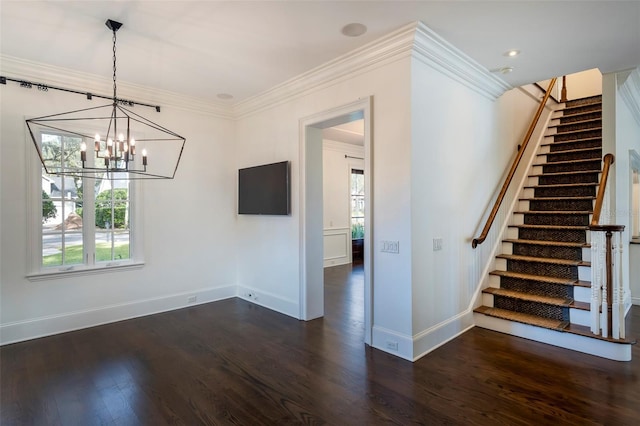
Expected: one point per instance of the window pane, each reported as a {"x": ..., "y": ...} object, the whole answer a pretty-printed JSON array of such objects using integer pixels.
[
  {"x": 112, "y": 246},
  {"x": 61, "y": 204}
]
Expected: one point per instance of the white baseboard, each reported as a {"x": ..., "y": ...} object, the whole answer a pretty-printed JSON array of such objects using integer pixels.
[
  {"x": 436, "y": 336},
  {"x": 635, "y": 301},
  {"x": 269, "y": 301},
  {"x": 392, "y": 342},
  {"x": 54, "y": 324}
]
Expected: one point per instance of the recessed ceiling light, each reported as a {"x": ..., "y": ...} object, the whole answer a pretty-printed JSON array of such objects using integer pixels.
[
  {"x": 224, "y": 96},
  {"x": 512, "y": 53},
  {"x": 354, "y": 29},
  {"x": 506, "y": 70}
]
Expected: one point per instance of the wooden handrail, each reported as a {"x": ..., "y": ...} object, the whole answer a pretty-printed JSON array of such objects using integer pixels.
[
  {"x": 514, "y": 166},
  {"x": 609, "y": 159}
]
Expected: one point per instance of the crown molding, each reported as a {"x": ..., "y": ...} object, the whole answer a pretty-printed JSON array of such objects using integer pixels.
[
  {"x": 433, "y": 50},
  {"x": 387, "y": 49},
  {"x": 630, "y": 93},
  {"x": 36, "y": 72}
]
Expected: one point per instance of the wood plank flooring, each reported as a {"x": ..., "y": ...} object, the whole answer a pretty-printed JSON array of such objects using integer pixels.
[{"x": 235, "y": 363}]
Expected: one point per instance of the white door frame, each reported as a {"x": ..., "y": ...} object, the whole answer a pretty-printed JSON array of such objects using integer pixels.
[{"x": 311, "y": 210}]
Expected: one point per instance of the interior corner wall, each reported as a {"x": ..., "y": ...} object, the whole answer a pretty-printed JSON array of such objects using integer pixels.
[
  {"x": 270, "y": 247},
  {"x": 189, "y": 226},
  {"x": 462, "y": 144}
]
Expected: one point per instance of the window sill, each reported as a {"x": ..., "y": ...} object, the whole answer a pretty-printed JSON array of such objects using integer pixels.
[{"x": 81, "y": 270}]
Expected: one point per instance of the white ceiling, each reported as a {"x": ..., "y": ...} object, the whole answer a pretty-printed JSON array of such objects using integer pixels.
[{"x": 204, "y": 48}]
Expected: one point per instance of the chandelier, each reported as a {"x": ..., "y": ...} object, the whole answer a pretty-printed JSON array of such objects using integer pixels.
[{"x": 121, "y": 143}]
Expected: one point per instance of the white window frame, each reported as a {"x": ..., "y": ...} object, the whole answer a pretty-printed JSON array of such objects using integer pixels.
[{"x": 36, "y": 272}]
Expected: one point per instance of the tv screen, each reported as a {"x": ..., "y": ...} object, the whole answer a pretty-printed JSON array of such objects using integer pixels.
[{"x": 265, "y": 189}]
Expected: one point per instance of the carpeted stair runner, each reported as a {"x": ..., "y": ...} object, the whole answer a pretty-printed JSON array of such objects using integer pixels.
[{"x": 538, "y": 277}]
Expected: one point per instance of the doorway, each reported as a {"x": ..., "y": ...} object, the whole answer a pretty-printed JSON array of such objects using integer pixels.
[{"x": 311, "y": 209}]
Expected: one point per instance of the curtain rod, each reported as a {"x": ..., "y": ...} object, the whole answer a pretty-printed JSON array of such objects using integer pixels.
[
  {"x": 349, "y": 156},
  {"x": 45, "y": 88}
]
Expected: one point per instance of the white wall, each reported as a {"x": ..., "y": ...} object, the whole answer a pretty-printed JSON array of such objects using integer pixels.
[
  {"x": 272, "y": 261},
  {"x": 336, "y": 178},
  {"x": 462, "y": 145},
  {"x": 584, "y": 84},
  {"x": 189, "y": 251},
  {"x": 621, "y": 133}
]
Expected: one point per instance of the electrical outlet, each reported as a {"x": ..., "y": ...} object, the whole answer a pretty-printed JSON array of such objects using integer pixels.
[
  {"x": 437, "y": 244},
  {"x": 392, "y": 345},
  {"x": 192, "y": 299}
]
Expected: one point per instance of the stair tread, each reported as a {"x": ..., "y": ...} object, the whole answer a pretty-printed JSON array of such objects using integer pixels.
[
  {"x": 570, "y": 151},
  {"x": 567, "y": 227},
  {"x": 547, "y": 243},
  {"x": 552, "y": 260},
  {"x": 576, "y": 172},
  {"x": 583, "y": 306},
  {"x": 523, "y": 318},
  {"x": 556, "y": 198},
  {"x": 576, "y": 114},
  {"x": 564, "y": 185},
  {"x": 557, "y": 325},
  {"x": 592, "y": 138},
  {"x": 569, "y": 132},
  {"x": 542, "y": 278},
  {"x": 529, "y": 297},
  {"x": 581, "y": 160},
  {"x": 584, "y": 330},
  {"x": 566, "y": 212},
  {"x": 591, "y": 120}
]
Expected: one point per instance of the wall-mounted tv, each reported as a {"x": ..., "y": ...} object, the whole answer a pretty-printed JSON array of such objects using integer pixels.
[{"x": 265, "y": 189}]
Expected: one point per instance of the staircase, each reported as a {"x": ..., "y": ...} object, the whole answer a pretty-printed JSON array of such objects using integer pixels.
[{"x": 541, "y": 286}]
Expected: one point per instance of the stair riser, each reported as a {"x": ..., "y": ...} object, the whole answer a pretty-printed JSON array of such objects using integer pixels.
[
  {"x": 558, "y": 219},
  {"x": 555, "y": 205},
  {"x": 586, "y": 134},
  {"x": 582, "y": 294},
  {"x": 592, "y": 177},
  {"x": 594, "y": 165},
  {"x": 540, "y": 268},
  {"x": 552, "y": 252},
  {"x": 578, "y": 316},
  {"x": 569, "y": 156},
  {"x": 564, "y": 235},
  {"x": 584, "y": 116},
  {"x": 576, "y": 127},
  {"x": 582, "y": 253},
  {"x": 540, "y": 288},
  {"x": 568, "y": 146},
  {"x": 532, "y": 308},
  {"x": 563, "y": 191}
]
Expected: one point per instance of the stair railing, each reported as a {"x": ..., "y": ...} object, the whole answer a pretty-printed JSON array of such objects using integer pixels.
[
  {"x": 514, "y": 166},
  {"x": 607, "y": 287}
]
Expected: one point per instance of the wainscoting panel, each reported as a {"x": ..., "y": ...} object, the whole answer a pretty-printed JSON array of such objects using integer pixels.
[{"x": 337, "y": 246}]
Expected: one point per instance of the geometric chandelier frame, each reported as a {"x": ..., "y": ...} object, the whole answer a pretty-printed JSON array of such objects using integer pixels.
[{"x": 125, "y": 145}]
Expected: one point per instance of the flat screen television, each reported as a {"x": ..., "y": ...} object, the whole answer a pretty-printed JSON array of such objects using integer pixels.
[{"x": 265, "y": 189}]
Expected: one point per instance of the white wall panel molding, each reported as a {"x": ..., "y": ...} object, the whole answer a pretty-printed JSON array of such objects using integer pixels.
[
  {"x": 69, "y": 321},
  {"x": 36, "y": 72},
  {"x": 337, "y": 246},
  {"x": 630, "y": 92},
  {"x": 390, "y": 48},
  {"x": 441, "y": 55}
]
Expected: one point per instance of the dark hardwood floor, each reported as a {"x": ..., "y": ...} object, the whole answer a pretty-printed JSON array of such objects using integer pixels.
[{"x": 231, "y": 362}]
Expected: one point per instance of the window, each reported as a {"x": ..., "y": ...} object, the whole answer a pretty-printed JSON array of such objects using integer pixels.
[
  {"x": 357, "y": 204},
  {"x": 85, "y": 223}
]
